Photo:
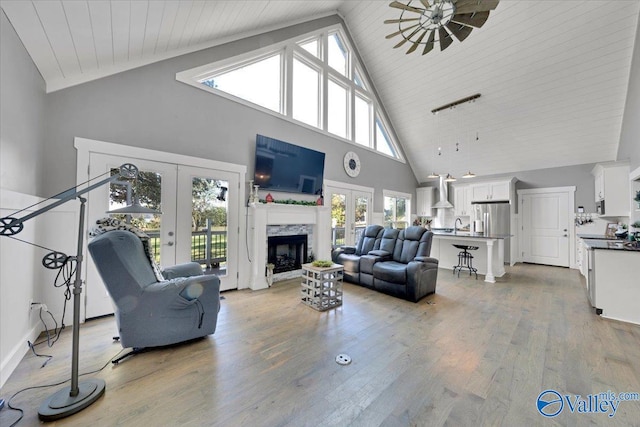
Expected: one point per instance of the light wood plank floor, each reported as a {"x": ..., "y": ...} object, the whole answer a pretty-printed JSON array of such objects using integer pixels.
[{"x": 473, "y": 354}]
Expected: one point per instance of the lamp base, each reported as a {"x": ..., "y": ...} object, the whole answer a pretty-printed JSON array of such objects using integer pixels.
[{"x": 61, "y": 404}]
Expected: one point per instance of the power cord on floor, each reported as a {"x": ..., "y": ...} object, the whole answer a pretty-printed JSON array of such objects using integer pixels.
[{"x": 15, "y": 408}]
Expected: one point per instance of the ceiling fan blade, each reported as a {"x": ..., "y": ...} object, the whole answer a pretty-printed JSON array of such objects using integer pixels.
[
  {"x": 417, "y": 42},
  {"x": 471, "y": 6},
  {"x": 474, "y": 19},
  {"x": 429, "y": 45},
  {"x": 403, "y": 41},
  {"x": 392, "y": 35},
  {"x": 401, "y": 20},
  {"x": 425, "y": 3},
  {"x": 399, "y": 5},
  {"x": 406, "y": 38},
  {"x": 445, "y": 38},
  {"x": 460, "y": 31}
]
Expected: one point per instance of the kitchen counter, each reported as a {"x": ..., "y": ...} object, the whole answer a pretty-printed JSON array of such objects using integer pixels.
[
  {"x": 615, "y": 245},
  {"x": 596, "y": 236},
  {"x": 469, "y": 235},
  {"x": 487, "y": 259}
]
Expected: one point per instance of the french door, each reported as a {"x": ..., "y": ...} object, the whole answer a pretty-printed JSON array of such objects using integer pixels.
[
  {"x": 350, "y": 212},
  {"x": 207, "y": 217},
  {"x": 198, "y": 221}
]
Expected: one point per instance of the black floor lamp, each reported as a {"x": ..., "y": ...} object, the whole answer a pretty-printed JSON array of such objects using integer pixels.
[{"x": 77, "y": 396}]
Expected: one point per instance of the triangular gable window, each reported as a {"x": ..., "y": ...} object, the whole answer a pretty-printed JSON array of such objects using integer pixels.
[
  {"x": 325, "y": 87},
  {"x": 257, "y": 82}
]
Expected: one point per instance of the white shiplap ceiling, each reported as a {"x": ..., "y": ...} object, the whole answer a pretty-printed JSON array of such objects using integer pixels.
[{"x": 553, "y": 74}]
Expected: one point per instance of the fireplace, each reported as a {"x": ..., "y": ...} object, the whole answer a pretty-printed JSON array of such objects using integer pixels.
[{"x": 287, "y": 253}]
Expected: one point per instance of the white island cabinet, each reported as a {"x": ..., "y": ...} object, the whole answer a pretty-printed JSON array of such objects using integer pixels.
[{"x": 613, "y": 282}]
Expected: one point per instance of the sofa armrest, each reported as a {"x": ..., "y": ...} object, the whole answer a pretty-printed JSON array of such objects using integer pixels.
[
  {"x": 335, "y": 253},
  {"x": 426, "y": 259},
  {"x": 182, "y": 270},
  {"x": 421, "y": 278}
]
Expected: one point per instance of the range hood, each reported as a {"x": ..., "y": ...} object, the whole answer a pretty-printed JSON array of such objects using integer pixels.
[{"x": 443, "y": 199}]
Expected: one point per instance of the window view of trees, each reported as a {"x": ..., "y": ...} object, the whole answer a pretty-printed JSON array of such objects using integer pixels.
[
  {"x": 395, "y": 212},
  {"x": 209, "y": 202}
]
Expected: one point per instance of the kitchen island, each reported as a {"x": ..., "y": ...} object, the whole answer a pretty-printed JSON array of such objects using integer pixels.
[
  {"x": 613, "y": 284},
  {"x": 488, "y": 259}
]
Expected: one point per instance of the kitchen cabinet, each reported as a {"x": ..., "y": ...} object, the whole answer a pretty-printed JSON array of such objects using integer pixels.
[
  {"x": 612, "y": 185},
  {"x": 492, "y": 191},
  {"x": 462, "y": 200},
  {"x": 425, "y": 201}
]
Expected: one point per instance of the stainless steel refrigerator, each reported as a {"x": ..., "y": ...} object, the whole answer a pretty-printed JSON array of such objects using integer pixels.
[{"x": 496, "y": 219}]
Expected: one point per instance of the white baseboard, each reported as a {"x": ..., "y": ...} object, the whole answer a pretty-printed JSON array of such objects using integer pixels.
[{"x": 17, "y": 353}]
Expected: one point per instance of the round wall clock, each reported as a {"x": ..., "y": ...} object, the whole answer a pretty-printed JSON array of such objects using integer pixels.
[{"x": 352, "y": 164}]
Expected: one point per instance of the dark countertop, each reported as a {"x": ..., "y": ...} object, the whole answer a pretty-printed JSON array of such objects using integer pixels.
[
  {"x": 465, "y": 235},
  {"x": 616, "y": 245},
  {"x": 596, "y": 236}
]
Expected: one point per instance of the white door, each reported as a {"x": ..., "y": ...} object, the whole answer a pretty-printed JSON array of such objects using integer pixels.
[
  {"x": 350, "y": 213},
  {"x": 545, "y": 228},
  {"x": 155, "y": 188},
  {"x": 207, "y": 218}
]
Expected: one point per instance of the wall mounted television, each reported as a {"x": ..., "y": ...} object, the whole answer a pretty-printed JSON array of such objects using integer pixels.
[{"x": 281, "y": 166}]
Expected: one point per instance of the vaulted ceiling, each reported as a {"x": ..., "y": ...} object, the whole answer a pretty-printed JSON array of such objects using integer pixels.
[{"x": 552, "y": 74}]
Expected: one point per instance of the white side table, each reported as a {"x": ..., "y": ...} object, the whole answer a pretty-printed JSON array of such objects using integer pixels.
[{"x": 321, "y": 287}]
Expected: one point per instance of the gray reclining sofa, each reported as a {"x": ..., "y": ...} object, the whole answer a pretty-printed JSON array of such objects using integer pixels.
[{"x": 392, "y": 261}]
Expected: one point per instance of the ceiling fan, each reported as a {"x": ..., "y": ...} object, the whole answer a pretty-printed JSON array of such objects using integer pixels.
[{"x": 429, "y": 21}]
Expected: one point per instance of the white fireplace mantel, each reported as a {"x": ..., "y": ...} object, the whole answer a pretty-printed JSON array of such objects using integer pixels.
[{"x": 262, "y": 215}]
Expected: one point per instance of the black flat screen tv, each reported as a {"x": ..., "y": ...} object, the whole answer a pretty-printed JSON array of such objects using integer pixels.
[{"x": 281, "y": 166}]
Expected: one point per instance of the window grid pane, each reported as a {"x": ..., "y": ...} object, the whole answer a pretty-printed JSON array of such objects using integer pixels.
[
  {"x": 362, "y": 121},
  {"x": 305, "y": 97},
  {"x": 258, "y": 82},
  {"x": 312, "y": 47},
  {"x": 337, "y": 109},
  {"x": 337, "y": 55},
  {"x": 383, "y": 142}
]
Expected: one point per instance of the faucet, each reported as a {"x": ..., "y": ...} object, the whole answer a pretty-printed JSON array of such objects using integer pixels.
[{"x": 455, "y": 226}]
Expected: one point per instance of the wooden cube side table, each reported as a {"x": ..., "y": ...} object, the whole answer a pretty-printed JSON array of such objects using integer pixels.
[{"x": 321, "y": 287}]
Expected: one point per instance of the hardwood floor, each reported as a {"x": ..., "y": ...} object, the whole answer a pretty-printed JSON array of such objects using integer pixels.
[{"x": 472, "y": 354}]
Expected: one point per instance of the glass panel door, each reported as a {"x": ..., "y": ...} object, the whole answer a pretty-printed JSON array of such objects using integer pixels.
[
  {"x": 350, "y": 213},
  {"x": 155, "y": 188},
  {"x": 207, "y": 217}
]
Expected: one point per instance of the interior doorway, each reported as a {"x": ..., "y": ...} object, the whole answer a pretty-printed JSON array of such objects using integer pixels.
[{"x": 546, "y": 235}]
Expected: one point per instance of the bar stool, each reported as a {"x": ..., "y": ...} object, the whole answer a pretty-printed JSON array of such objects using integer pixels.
[{"x": 465, "y": 260}]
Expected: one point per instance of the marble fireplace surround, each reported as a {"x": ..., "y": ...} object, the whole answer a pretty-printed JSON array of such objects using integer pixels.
[{"x": 263, "y": 215}]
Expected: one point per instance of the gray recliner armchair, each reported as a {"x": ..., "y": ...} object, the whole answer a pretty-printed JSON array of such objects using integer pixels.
[{"x": 149, "y": 312}]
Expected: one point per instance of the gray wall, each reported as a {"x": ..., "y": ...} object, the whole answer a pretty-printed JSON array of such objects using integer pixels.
[
  {"x": 22, "y": 115},
  {"x": 629, "y": 148},
  {"x": 146, "y": 107}
]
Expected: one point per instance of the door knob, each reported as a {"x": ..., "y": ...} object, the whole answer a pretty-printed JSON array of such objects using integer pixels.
[{"x": 169, "y": 243}]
